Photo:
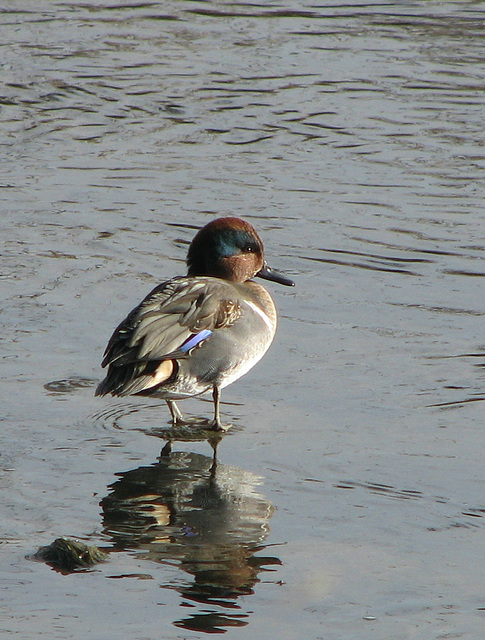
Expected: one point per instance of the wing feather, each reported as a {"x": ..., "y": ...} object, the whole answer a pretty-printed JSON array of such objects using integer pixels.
[{"x": 157, "y": 329}]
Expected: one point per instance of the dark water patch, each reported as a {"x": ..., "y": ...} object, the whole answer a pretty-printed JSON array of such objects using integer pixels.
[
  {"x": 478, "y": 512},
  {"x": 101, "y": 6},
  {"x": 251, "y": 13},
  {"x": 249, "y": 140},
  {"x": 468, "y": 254},
  {"x": 378, "y": 257},
  {"x": 69, "y": 385},
  {"x": 463, "y": 272},
  {"x": 444, "y": 310},
  {"x": 454, "y": 404},
  {"x": 450, "y": 514},
  {"x": 382, "y": 490},
  {"x": 361, "y": 265},
  {"x": 428, "y": 25},
  {"x": 136, "y": 576},
  {"x": 472, "y": 354}
]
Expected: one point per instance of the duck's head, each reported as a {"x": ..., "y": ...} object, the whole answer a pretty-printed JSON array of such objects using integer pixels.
[{"x": 230, "y": 248}]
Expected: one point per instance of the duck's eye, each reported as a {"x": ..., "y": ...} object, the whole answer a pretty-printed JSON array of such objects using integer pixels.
[{"x": 250, "y": 248}]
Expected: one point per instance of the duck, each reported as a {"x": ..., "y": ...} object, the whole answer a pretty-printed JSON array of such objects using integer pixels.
[{"x": 198, "y": 333}]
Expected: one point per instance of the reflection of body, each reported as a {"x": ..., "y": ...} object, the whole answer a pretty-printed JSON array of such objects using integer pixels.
[
  {"x": 198, "y": 333},
  {"x": 213, "y": 524}
]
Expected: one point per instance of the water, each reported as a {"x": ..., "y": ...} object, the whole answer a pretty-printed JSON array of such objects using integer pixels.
[{"x": 349, "y": 498}]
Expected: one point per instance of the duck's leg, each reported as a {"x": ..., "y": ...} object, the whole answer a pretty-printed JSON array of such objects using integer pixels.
[
  {"x": 177, "y": 415},
  {"x": 216, "y": 424}
]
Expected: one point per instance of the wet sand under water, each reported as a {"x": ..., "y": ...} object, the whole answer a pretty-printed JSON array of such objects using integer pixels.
[{"x": 348, "y": 501}]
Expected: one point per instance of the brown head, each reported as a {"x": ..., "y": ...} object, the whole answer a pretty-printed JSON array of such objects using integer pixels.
[{"x": 229, "y": 248}]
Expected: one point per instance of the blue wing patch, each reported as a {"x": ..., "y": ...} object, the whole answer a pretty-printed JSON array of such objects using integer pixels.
[{"x": 194, "y": 340}]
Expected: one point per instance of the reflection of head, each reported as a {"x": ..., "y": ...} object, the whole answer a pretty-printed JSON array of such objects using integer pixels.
[
  {"x": 226, "y": 575},
  {"x": 212, "y": 524}
]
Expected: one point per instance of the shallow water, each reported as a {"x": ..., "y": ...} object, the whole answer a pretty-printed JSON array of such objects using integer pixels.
[{"x": 349, "y": 497}]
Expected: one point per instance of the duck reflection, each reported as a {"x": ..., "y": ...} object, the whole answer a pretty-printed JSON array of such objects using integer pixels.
[{"x": 208, "y": 518}]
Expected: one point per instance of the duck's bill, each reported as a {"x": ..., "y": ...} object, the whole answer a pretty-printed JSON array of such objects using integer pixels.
[{"x": 267, "y": 273}]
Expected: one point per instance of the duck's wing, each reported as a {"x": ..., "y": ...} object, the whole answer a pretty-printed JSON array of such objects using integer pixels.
[{"x": 173, "y": 319}]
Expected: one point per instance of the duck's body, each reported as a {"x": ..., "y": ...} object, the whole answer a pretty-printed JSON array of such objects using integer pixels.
[{"x": 200, "y": 332}]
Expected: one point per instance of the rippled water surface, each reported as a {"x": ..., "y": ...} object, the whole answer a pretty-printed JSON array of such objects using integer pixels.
[{"x": 349, "y": 499}]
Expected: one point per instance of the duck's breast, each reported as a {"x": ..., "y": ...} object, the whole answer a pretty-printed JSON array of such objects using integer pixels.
[{"x": 232, "y": 351}]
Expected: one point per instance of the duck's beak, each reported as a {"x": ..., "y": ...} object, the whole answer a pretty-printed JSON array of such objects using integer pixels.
[{"x": 267, "y": 273}]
